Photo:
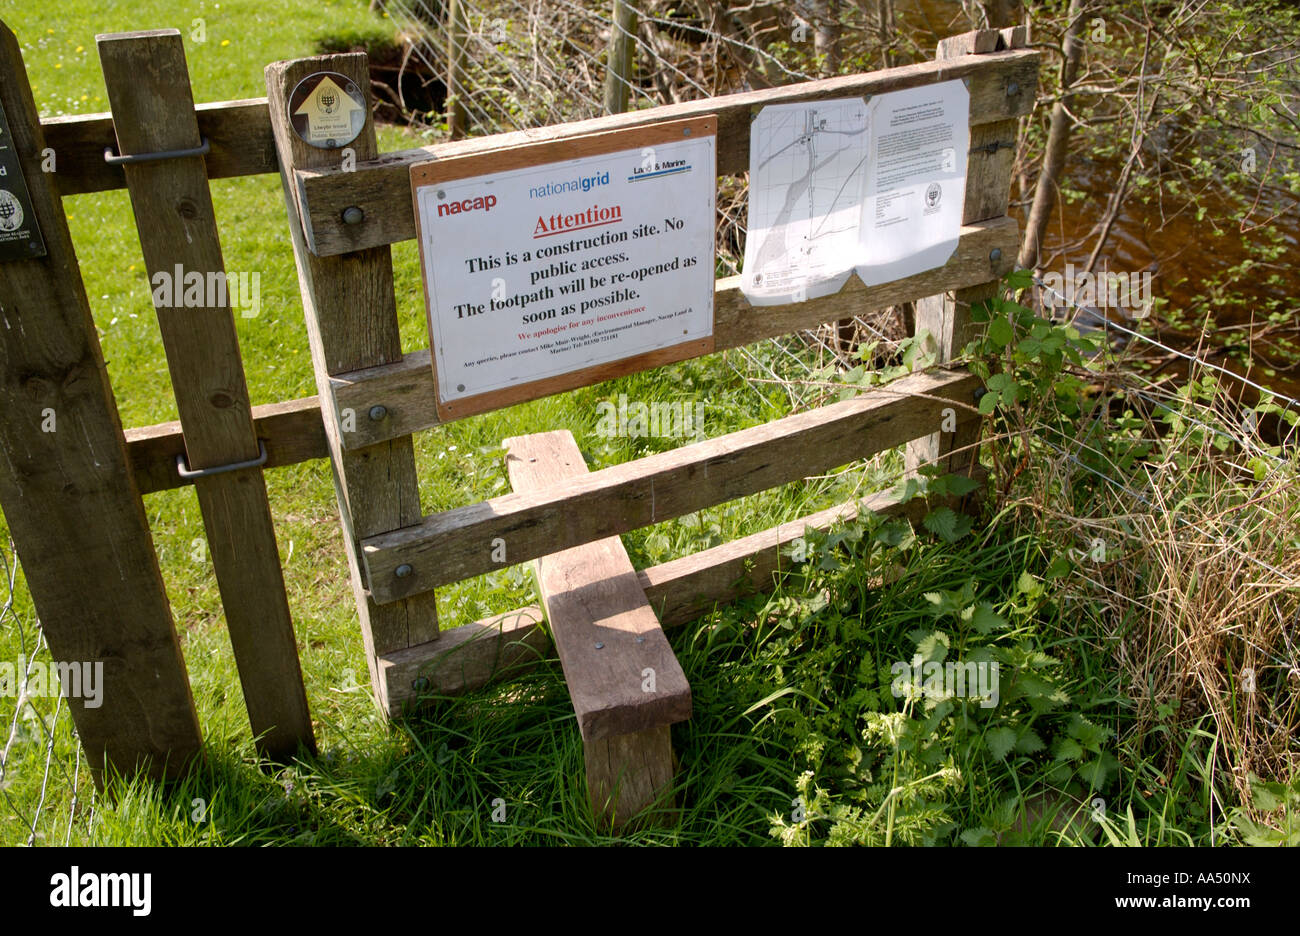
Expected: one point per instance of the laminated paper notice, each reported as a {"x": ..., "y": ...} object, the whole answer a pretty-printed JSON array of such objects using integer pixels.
[{"x": 836, "y": 186}]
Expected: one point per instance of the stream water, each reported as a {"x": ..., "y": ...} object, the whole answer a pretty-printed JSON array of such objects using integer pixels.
[{"x": 1171, "y": 240}]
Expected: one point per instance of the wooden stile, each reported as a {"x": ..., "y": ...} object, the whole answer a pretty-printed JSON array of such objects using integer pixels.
[
  {"x": 69, "y": 495},
  {"x": 149, "y": 91},
  {"x": 372, "y": 396},
  {"x": 625, "y": 682},
  {"x": 352, "y": 323}
]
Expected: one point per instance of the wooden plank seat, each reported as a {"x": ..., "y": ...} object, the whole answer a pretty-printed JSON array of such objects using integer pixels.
[{"x": 625, "y": 682}]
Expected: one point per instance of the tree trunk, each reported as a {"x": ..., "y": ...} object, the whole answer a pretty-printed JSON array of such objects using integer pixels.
[
  {"x": 824, "y": 18},
  {"x": 1058, "y": 143},
  {"x": 618, "y": 67}
]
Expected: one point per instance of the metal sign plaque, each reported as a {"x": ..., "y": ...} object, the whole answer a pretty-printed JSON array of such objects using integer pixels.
[
  {"x": 327, "y": 109},
  {"x": 20, "y": 235}
]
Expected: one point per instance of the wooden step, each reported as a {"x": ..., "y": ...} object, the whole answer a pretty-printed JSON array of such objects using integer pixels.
[{"x": 625, "y": 682}]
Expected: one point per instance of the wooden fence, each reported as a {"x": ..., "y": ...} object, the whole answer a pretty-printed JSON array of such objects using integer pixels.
[{"x": 83, "y": 484}]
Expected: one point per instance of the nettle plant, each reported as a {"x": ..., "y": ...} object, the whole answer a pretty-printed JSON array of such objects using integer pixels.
[
  {"x": 876, "y": 765},
  {"x": 1031, "y": 368},
  {"x": 879, "y": 762}
]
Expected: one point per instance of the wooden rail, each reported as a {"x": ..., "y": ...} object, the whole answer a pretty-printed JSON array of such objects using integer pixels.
[
  {"x": 457, "y": 544},
  {"x": 1002, "y": 86}
]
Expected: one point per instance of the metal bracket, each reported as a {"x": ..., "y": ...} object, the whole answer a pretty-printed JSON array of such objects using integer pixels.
[
  {"x": 993, "y": 147},
  {"x": 185, "y": 472},
  {"x": 115, "y": 160}
]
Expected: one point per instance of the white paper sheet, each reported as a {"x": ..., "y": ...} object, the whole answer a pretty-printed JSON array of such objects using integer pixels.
[
  {"x": 843, "y": 185},
  {"x": 911, "y": 220},
  {"x": 806, "y": 184}
]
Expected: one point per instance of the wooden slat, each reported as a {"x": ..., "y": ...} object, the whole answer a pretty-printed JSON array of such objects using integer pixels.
[
  {"x": 69, "y": 496},
  {"x": 239, "y": 132},
  {"x": 680, "y": 591},
  {"x": 604, "y": 630},
  {"x": 464, "y": 658},
  {"x": 457, "y": 544},
  {"x": 149, "y": 91},
  {"x": 292, "y": 432},
  {"x": 975, "y": 42},
  {"x": 352, "y": 323},
  {"x": 628, "y": 774},
  {"x": 406, "y": 390},
  {"x": 610, "y": 645},
  {"x": 382, "y": 190}
]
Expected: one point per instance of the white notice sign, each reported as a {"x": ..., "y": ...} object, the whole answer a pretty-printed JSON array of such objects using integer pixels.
[
  {"x": 544, "y": 273},
  {"x": 874, "y": 186}
]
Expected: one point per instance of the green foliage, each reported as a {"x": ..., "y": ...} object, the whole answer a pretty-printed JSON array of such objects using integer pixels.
[
  {"x": 1280, "y": 799},
  {"x": 879, "y": 762}
]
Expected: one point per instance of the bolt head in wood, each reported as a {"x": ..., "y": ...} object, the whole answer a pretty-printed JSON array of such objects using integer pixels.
[
  {"x": 402, "y": 571},
  {"x": 353, "y": 215},
  {"x": 995, "y": 254},
  {"x": 420, "y": 683},
  {"x": 600, "y": 646},
  {"x": 378, "y": 412},
  {"x": 1013, "y": 89}
]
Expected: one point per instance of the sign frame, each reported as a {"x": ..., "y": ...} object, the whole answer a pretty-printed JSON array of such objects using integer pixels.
[{"x": 527, "y": 155}]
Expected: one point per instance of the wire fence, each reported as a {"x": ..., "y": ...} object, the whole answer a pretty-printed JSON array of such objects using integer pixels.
[{"x": 40, "y": 746}]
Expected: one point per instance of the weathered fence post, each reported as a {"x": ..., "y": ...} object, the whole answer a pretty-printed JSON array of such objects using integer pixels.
[
  {"x": 153, "y": 112},
  {"x": 352, "y": 323},
  {"x": 455, "y": 104},
  {"x": 988, "y": 183},
  {"x": 68, "y": 491},
  {"x": 618, "y": 68}
]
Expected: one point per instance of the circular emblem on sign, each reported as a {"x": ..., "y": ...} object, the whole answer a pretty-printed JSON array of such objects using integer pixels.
[
  {"x": 327, "y": 109},
  {"x": 933, "y": 194},
  {"x": 11, "y": 211}
]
